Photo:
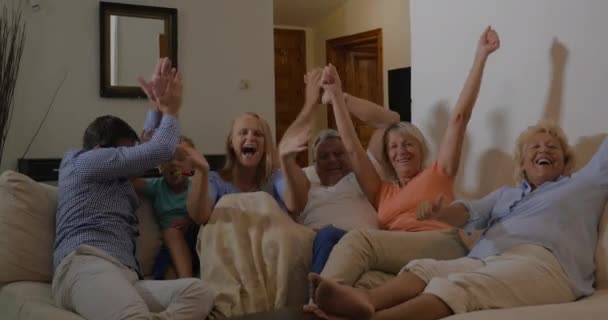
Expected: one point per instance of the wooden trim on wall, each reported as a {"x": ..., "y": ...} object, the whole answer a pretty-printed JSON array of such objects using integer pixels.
[{"x": 334, "y": 52}]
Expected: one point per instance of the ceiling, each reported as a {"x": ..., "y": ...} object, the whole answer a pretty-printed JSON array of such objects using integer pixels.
[{"x": 302, "y": 13}]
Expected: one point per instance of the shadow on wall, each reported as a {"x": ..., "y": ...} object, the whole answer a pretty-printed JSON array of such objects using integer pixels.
[
  {"x": 554, "y": 105},
  {"x": 439, "y": 126},
  {"x": 496, "y": 167},
  {"x": 585, "y": 147}
]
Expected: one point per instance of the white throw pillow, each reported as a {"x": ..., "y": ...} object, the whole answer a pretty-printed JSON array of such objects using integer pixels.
[
  {"x": 27, "y": 228},
  {"x": 311, "y": 174}
]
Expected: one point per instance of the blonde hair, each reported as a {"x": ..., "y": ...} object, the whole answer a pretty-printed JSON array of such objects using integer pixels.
[
  {"x": 406, "y": 129},
  {"x": 269, "y": 162},
  {"x": 186, "y": 140},
  {"x": 543, "y": 126}
]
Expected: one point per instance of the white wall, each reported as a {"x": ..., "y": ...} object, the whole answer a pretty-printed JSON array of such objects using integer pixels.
[
  {"x": 220, "y": 43},
  {"x": 520, "y": 85}
]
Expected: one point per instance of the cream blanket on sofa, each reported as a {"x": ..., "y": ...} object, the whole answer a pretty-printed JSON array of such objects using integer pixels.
[{"x": 254, "y": 255}]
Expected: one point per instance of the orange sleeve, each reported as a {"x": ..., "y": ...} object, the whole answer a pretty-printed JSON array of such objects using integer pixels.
[{"x": 385, "y": 188}]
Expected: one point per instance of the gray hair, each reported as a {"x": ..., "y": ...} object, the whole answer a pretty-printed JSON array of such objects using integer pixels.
[{"x": 322, "y": 136}]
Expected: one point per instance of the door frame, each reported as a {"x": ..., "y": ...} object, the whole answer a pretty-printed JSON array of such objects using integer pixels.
[{"x": 334, "y": 47}]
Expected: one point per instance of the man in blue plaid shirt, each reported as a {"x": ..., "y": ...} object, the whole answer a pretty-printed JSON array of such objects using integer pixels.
[{"x": 96, "y": 272}]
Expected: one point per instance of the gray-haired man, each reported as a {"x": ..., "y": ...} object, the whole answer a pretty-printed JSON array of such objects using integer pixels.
[{"x": 329, "y": 198}]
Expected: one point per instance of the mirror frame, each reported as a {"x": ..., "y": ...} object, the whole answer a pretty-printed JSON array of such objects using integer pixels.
[{"x": 106, "y": 9}]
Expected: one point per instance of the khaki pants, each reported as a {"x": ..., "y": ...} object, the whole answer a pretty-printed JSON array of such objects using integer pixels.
[
  {"x": 368, "y": 258},
  {"x": 525, "y": 275},
  {"x": 97, "y": 286}
]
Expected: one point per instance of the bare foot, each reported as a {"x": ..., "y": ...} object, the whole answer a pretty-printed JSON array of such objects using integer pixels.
[
  {"x": 312, "y": 308},
  {"x": 336, "y": 300}
]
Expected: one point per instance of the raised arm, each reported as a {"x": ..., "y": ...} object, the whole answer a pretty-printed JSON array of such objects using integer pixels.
[
  {"x": 152, "y": 122},
  {"x": 102, "y": 164},
  {"x": 375, "y": 116},
  {"x": 158, "y": 81},
  {"x": 294, "y": 141},
  {"x": 367, "y": 177},
  {"x": 296, "y": 182},
  {"x": 198, "y": 204},
  {"x": 451, "y": 146},
  {"x": 121, "y": 162},
  {"x": 370, "y": 113},
  {"x": 153, "y": 119}
]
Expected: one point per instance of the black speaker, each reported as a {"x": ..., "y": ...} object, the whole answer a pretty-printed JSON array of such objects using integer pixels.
[
  {"x": 399, "y": 92},
  {"x": 48, "y": 169}
]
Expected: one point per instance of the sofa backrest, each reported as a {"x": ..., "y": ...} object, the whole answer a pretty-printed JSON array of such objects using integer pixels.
[{"x": 27, "y": 229}]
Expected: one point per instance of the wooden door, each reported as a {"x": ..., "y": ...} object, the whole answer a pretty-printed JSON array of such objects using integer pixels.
[
  {"x": 358, "y": 59},
  {"x": 362, "y": 81},
  {"x": 289, "y": 70}
]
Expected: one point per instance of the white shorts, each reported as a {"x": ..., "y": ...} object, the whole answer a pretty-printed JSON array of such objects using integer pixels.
[{"x": 522, "y": 276}]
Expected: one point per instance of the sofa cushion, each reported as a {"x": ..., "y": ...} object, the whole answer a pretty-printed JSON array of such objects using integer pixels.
[
  {"x": 601, "y": 255},
  {"x": 27, "y": 226},
  {"x": 594, "y": 307},
  {"x": 31, "y": 300}
]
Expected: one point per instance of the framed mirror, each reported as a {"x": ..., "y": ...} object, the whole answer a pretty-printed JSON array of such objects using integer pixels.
[{"x": 132, "y": 39}]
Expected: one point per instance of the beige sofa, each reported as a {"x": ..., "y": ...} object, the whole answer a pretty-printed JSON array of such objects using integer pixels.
[
  {"x": 27, "y": 212},
  {"x": 27, "y": 231},
  {"x": 590, "y": 308},
  {"x": 594, "y": 307}
]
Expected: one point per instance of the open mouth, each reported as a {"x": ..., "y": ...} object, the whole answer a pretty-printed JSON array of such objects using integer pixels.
[
  {"x": 403, "y": 160},
  {"x": 249, "y": 151},
  {"x": 543, "y": 162}
]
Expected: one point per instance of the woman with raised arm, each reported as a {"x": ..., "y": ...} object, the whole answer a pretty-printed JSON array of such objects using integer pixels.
[{"x": 405, "y": 150}]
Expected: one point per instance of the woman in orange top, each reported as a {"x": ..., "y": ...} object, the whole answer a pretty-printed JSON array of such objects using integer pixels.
[{"x": 405, "y": 151}]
